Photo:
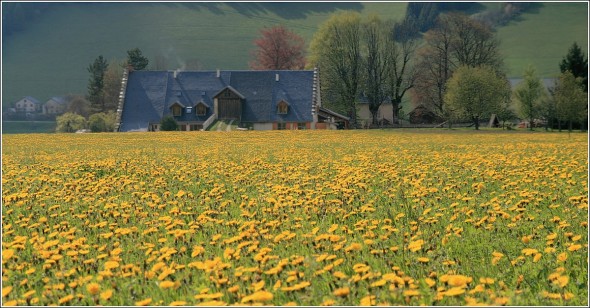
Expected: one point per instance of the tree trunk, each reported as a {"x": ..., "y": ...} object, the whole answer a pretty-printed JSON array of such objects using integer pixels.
[
  {"x": 569, "y": 126},
  {"x": 476, "y": 122},
  {"x": 559, "y": 125},
  {"x": 531, "y": 124}
]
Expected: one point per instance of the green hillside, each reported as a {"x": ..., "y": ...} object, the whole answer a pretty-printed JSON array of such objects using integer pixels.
[
  {"x": 542, "y": 37},
  {"x": 50, "y": 56}
]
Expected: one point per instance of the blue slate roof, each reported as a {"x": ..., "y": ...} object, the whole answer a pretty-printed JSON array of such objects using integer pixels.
[
  {"x": 150, "y": 94},
  {"x": 59, "y": 99},
  {"x": 32, "y": 100}
]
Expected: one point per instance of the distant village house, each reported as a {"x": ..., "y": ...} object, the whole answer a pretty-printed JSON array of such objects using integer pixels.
[
  {"x": 28, "y": 104},
  {"x": 55, "y": 105}
]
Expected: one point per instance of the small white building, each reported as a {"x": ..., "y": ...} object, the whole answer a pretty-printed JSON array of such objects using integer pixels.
[{"x": 28, "y": 104}]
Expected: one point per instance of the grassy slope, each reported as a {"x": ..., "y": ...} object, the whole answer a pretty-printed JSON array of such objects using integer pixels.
[
  {"x": 542, "y": 38},
  {"x": 59, "y": 46}
]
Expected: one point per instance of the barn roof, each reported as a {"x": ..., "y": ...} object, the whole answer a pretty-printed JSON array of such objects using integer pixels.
[{"x": 150, "y": 94}]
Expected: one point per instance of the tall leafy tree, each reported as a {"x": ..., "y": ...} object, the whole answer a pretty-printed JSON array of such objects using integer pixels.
[
  {"x": 336, "y": 50},
  {"x": 477, "y": 92},
  {"x": 136, "y": 59},
  {"x": 576, "y": 62},
  {"x": 278, "y": 49},
  {"x": 528, "y": 95},
  {"x": 571, "y": 101},
  {"x": 96, "y": 83}
]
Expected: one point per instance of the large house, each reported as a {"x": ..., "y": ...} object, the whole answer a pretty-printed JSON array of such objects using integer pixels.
[{"x": 259, "y": 100}]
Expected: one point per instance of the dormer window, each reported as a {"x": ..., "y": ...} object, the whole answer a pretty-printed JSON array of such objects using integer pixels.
[
  {"x": 201, "y": 109},
  {"x": 189, "y": 109},
  {"x": 176, "y": 109},
  {"x": 282, "y": 107}
]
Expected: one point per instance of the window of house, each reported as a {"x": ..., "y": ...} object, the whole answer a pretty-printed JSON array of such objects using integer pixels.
[
  {"x": 176, "y": 111},
  {"x": 300, "y": 125},
  {"x": 182, "y": 127},
  {"x": 201, "y": 109},
  {"x": 282, "y": 107},
  {"x": 281, "y": 126},
  {"x": 189, "y": 109},
  {"x": 196, "y": 127}
]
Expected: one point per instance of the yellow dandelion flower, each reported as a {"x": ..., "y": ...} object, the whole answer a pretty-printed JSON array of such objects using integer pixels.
[
  {"x": 177, "y": 303},
  {"x": 212, "y": 303},
  {"x": 411, "y": 293},
  {"x": 110, "y": 265},
  {"x": 260, "y": 296},
  {"x": 423, "y": 260},
  {"x": 454, "y": 291},
  {"x": 379, "y": 283},
  {"x": 537, "y": 257},
  {"x": 258, "y": 285},
  {"x": 144, "y": 302},
  {"x": 93, "y": 288},
  {"x": 106, "y": 295},
  {"x": 166, "y": 284},
  {"x": 10, "y": 303},
  {"x": 562, "y": 257},
  {"x": 561, "y": 281},
  {"x": 339, "y": 275},
  {"x": 29, "y": 294},
  {"x": 328, "y": 302},
  {"x": 368, "y": 300},
  {"x": 430, "y": 282},
  {"x": 6, "y": 291},
  {"x": 574, "y": 247},
  {"x": 342, "y": 291},
  {"x": 65, "y": 299}
]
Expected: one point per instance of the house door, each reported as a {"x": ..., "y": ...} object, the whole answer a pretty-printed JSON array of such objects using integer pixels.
[{"x": 229, "y": 108}]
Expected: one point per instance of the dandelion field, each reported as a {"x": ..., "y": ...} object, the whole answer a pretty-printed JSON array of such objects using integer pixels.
[{"x": 295, "y": 218}]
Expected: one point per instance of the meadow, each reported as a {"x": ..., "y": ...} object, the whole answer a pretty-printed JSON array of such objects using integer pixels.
[{"x": 380, "y": 217}]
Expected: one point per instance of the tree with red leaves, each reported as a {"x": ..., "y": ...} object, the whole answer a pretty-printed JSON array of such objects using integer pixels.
[{"x": 278, "y": 49}]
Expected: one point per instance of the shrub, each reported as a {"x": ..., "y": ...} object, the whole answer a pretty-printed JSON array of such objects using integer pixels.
[{"x": 168, "y": 124}]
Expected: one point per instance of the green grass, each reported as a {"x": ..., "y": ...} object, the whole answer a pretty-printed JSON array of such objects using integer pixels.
[
  {"x": 25, "y": 127},
  {"x": 542, "y": 37}
]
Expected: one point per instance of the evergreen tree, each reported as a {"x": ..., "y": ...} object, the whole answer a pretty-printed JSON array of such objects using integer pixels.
[
  {"x": 96, "y": 84},
  {"x": 576, "y": 62},
  {"x": 136, "y": 59}
]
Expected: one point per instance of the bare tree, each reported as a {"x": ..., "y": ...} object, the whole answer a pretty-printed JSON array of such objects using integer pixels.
[
  {"x": 401, "y": 75},
  {"x": 375, "y": 64}
]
